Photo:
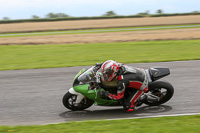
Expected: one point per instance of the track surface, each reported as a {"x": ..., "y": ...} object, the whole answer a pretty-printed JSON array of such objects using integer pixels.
[{"x": 34, "y": 96}]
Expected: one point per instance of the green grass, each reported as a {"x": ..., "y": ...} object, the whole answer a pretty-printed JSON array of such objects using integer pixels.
[
  {"x": 98, "y": 30},
  {"x": 51, "y": 56},
  {"x": 179, "y": 124}
]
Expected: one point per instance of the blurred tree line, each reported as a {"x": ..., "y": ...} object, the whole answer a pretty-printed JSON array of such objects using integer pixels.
[
  {"x": 52, "y": 15},
  {"x": 63, "y": 15},
  {"x": 108, "y": 14}
]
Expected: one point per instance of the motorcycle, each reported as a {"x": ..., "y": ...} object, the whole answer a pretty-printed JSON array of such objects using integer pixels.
[{"x": 87, "y": 85}]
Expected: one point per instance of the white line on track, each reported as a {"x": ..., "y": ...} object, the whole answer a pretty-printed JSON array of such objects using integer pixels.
[
  {"x": 156, "y": 116},
  {"x": 144, "y": 117},
  {"x": 91, "y": 31}
]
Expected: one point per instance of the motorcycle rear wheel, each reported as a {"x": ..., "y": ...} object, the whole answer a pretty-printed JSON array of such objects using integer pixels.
[
  {"x": 69, "y": 102},
  {"x": 156, "y": 88}
]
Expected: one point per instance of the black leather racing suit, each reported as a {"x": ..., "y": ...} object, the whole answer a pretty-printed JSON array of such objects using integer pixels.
[{"x": 130, "y": 78}]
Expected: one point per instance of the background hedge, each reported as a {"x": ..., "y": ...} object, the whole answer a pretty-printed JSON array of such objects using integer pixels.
[{"x": 96, "y": 17}]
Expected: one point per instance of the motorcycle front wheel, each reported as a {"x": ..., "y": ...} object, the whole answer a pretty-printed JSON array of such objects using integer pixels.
[
  {"x": 161, "y": 89},
  {"x": 69, "y": 102}
]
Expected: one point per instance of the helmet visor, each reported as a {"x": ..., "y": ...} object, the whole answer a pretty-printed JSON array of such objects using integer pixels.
[{"x": 107, "y": 74}]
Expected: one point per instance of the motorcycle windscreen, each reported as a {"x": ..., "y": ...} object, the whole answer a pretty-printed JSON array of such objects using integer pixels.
[
  {"x": 87, "y": 76},
  {"x": 75, "y": 81}
]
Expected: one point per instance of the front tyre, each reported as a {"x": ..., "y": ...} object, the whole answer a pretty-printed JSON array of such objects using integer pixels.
[
  {"x": 161, "y": 89},
  {"x": 69, "y": 102}
]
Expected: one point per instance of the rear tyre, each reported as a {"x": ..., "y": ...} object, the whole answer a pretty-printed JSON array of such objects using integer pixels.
[
  {"x": 161, "y": 89},
  {"x": 69, "y": 102}
]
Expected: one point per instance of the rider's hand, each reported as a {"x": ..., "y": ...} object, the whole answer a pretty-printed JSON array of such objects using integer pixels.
[
  {"x": 104, "y": 94},
  {"x": 97, "y": 66}
]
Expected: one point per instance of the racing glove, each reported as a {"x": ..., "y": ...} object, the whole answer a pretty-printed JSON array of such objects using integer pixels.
[{"x": 104, "y": 94}]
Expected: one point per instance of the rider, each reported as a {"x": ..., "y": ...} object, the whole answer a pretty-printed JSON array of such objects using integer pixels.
[{"x": 127, "y": 78}]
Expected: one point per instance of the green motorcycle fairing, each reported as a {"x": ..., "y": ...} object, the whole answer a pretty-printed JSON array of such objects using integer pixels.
[{"x": 92, "y": 94}]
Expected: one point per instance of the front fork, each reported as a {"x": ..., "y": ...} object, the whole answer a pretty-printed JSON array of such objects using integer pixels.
[{"x": 79, "y": 97}]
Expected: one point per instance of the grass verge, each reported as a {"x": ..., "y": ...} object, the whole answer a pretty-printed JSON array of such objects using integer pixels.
[
  {"x": 100, "y": 30},
  {"x": 50, "y": 56},
  {"x": 178, "y": 124}
]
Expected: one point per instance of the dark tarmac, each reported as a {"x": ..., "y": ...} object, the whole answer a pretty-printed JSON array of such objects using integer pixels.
[{"x": 29, "y": 97}]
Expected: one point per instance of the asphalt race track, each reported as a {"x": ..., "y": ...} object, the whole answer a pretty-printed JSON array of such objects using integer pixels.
[{"x": 30, "y": 97}]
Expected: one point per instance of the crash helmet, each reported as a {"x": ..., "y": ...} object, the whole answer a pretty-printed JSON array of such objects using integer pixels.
[{"x": 109, "y": 69}]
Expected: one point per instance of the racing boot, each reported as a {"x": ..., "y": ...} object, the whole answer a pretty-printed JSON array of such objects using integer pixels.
[
  {"x": 133, "y": 100},
  {"x": 131, "y": 109}
]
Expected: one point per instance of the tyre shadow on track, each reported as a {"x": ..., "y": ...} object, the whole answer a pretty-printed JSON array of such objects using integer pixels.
[{"x": 114, "y": 113}]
